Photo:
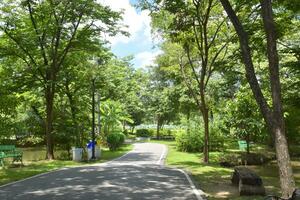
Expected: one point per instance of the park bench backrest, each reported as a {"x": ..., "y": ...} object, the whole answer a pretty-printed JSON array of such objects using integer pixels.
[
  {"x": 242, "y": 144},
  {"x": 7, "y": 148}
]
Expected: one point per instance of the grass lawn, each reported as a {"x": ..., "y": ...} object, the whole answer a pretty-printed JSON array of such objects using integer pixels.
[
  {"x": 31, "y": 168},
  {"x": 215, "y": 180}
]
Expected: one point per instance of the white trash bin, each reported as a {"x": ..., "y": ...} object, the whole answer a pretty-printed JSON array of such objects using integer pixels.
[
  {"x": 97, "y": 153},
  {"x": 77, "y": 154}
]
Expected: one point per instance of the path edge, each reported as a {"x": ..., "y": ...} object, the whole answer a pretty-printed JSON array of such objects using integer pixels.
[
  {"x": 200, "y": 195},
  {"x": 65, "y": 168}
]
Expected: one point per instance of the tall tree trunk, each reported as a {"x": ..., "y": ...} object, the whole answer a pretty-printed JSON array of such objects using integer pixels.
[
  {"x": 287, "y": 181},
  {"x": 206, "y": 135},
  {"x": 49, "y": 95},
  {"x": 75, "y": 123},
  {"x": 278, "y": 129},
  {"x": 73, "y": 114},
  {"x": 272, "y": 116},
  {"x": 99, "y": 112},
  {"x": 158, "y": 128}
]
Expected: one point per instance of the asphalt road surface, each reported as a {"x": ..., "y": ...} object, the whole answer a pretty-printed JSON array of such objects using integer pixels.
[{"x": 139, "y": 175}]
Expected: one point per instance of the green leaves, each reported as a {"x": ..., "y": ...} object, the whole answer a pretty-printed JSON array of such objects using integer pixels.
[{"x": 243, "y": 116}]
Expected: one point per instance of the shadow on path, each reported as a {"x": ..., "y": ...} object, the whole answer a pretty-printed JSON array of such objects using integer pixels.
[
  {"x": 133, "y": 176},
  {"x": 115, "y": 182}
]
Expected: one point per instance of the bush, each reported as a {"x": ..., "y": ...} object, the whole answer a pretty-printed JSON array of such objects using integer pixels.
[
  {"x": 217, "y": 139},
  {"x": 64, "y": 156},
  {"x": 115, "y": 140},
  {"x": 189, "y": 142},
  {"x": 230, "y": 160},
  {"x": 167, "y": 133},
  {"x": 122, "y": 138},
  {"x": 29, "y": 141},
  {"x": 143, "y": 133}
]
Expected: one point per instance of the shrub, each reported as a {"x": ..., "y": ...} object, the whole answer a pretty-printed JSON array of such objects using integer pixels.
[
  {"x": 29, "y": 141},
  {"x": 64, "y": 156},
  {"x": 122, "y": 138},
  {"x": 217, "y": 139},
  {"x": 143, "y": 133},
  {"x": 166, "y": 132},
  {"x": 230, "y": 160},
  {"x": 115, "y": 140},
  {"x": 189, "y": 142}
]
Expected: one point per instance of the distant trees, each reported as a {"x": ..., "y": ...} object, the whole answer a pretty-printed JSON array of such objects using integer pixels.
[{"x": 243, "y": 117}]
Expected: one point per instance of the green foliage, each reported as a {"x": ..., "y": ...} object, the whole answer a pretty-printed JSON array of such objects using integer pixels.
[
  {"x": 30, "y": 141},
  {"x": 244, "y": 118},
  {"x": 115, "y": 140},
  {"x": 112, "y": 116},
  {"x": 37, "y": 40},
  {"x": 189, "y": 142},
  {"x": 167, "y": 132},
  {"x": 144, "y": 133}
]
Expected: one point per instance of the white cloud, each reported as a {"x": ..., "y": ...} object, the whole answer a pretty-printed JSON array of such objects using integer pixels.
[
  {"x": 146, "y": 58},
  {"x": 137, "y": 22}
]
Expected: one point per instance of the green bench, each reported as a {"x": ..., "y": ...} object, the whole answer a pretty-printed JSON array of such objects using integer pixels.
[
  {"x": 242, "y": 145},
  {"x": 10, "y": 151}
]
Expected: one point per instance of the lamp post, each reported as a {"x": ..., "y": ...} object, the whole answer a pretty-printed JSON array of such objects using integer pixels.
[
  {"x": 95, "y": 63},
  {"x": 93, "y": 118},
  {"x": 99, "y": 112}
]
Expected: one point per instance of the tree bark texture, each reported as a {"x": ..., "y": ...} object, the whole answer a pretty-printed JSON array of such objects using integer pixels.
[
  {"x": 49, "y": 95},
  {"x": 273, "y": 116},
  {"x": 206, "y": 136},
  {"x": 278, "y": 127},
  {"x": 158, "y": 128}
]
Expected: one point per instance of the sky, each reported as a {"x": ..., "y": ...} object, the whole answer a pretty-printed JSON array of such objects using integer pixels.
[{"x": 139, "y": 44}]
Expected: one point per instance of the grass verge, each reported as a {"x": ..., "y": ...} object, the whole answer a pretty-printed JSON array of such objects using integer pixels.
[
  {"x": 15, "y": 173},
  {"x": 215, "y": 180}
]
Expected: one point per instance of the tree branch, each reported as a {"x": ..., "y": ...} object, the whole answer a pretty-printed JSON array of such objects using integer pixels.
[
  {"x": 43, "y": 52},
  {"x": 246, "y": 58}
]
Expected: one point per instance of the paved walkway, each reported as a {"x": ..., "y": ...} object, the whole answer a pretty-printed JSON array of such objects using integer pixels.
[{"x": 139, "y": 175}]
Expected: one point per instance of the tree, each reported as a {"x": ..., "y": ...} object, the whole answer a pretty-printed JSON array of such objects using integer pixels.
[
  {"x": 113, "y": 115},
  {"x": 199, "y": 28},
  {"x": 243, "y": 117},
  {"x": 43, "y": 33},
  {"x": 168, "y": 66},
  {"x": 161, "y": 100},
  {"x": 273, "y": 114}
]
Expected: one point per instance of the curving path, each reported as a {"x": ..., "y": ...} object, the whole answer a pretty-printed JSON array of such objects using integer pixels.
[{"x": 139, "y": 175}]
